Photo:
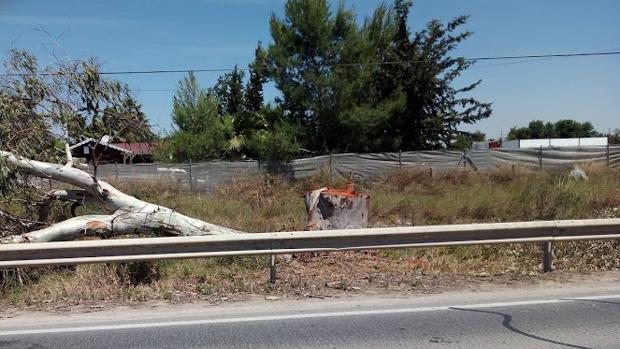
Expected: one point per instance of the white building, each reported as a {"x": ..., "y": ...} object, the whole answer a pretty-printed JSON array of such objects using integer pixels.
[{"x": 555, "y": 142}]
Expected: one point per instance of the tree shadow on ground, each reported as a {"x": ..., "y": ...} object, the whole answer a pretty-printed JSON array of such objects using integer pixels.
[{"x": 507, "y": 323}]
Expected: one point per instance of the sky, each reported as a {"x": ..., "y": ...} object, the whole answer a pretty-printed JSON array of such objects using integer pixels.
[{"x": 204, "y": 34}]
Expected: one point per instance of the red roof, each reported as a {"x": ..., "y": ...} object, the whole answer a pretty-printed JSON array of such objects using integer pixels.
[{"x": 136, "y": 148}]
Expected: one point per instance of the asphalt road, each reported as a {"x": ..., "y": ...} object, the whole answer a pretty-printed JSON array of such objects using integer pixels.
[{"x": 566, "y": 317}]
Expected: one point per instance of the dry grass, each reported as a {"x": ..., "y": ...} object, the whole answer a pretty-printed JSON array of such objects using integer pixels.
[{"x": 261, "y": 204}]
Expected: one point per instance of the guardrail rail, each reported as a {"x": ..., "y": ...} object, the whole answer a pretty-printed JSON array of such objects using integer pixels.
[{"x": 145, "y": 249}]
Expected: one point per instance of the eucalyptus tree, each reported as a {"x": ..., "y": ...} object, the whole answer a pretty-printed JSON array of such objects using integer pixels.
[{"x": 38, "y": 108}]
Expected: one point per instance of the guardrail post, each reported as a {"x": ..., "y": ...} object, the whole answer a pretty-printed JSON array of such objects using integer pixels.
[
  {"x": 272, "y": 268},
  {"x": 547, "y": 256}
]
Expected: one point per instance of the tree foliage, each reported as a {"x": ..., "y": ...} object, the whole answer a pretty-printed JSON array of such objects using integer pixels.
[
  {"x": 566, "y": 128},
  {"x": 254, "y": 89},
  {"x": 202, "y": 132},
  {"x": 344, "y": 86},
  {"x": 374, "y": 87},
  {"x": 274, "y": 139},
  {"x": 39, "y": 105},
  {"x": 309, "y": 44},
  {"x": 229, "y": 92},
  {"x": 465, "y": 140}
]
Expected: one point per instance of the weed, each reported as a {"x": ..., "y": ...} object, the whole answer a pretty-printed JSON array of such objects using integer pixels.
[{"x": 403, "y": 197}]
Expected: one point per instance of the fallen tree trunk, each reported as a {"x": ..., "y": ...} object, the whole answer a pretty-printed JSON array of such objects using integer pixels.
[{"x": 129, "y": 215}]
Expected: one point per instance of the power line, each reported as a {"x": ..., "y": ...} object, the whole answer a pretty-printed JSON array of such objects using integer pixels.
[
  {"x": 153, "y": 90},
  {"x": 220, "y": 70},
  {"x": 536, "y": 59}
]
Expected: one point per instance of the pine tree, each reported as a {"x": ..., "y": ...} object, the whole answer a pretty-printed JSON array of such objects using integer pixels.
[
  {"x": 433, "y": 110},
  {"x": 308, "y": 46}
]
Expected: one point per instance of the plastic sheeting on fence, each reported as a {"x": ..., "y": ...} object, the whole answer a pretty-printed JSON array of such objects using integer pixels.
[{"x": 206, "y": 176}]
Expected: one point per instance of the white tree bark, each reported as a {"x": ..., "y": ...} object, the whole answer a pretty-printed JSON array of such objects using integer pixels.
[{"x": 129, "y": 213}]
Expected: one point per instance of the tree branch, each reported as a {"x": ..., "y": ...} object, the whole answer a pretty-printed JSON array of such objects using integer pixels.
[{"x": 130, "y": 214}]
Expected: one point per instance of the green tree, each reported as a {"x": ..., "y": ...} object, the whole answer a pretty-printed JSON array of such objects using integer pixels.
[
  {"x": 229, "y": 92},
  {"x": 42, "y": 107},
  {"x": 433, "y": 109},
  {"x": 189, "y": 106},
  {"x": 24, "y": 126},
  {"x": 275, "y": 138},
  {"x": 570, "y": 128},
  {"x": 202, "y": 133},
  {"x": 310, "y": 45},
  {"x": 566, "y": 128},
  {"x": 519, "y": 133},
  {"x": 374, "y": 87},
  {"x": 465, "y": 140},
  {"x": 254, "y": 89},
  {"x": 71, "y": 98}
]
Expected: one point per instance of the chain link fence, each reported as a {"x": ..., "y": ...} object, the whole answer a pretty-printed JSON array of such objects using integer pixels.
[{"x": 206, "y": 176}]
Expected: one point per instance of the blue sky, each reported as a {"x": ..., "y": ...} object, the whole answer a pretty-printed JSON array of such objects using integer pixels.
[{"x": 198, "y": 34}]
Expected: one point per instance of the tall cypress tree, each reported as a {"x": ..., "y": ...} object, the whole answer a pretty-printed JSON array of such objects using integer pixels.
[
  {"x": 254, "y": 90},
  {"x": 229, "y": 92}
]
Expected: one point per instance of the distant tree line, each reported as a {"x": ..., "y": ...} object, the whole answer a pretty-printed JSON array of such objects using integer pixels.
[
  {"x": 561, "y": 129},
  {"x": 344, "y": 86}
]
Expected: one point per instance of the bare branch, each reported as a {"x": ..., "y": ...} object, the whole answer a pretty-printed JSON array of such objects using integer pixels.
[{"x": 130, "y": 214}]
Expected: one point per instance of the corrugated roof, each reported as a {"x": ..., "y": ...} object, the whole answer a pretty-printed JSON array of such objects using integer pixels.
[
  {"x": 133, "y": 148},
  {"x": 136, "y": 148}
]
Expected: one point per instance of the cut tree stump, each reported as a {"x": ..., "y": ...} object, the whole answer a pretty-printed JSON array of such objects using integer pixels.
[{"x": 330, "y": 208}]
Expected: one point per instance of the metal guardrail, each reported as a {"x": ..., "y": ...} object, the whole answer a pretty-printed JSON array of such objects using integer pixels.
[{"x": 103, "y": 251}]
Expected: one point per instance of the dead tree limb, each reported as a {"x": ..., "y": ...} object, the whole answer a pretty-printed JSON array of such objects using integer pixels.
[{"x": 129, "y": 215}]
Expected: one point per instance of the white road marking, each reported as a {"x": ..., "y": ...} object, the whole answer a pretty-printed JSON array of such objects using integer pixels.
[{"x": 294, "y": 316}]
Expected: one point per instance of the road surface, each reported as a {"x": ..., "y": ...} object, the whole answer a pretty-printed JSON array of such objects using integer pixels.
[{"x": 576, "y": 316}]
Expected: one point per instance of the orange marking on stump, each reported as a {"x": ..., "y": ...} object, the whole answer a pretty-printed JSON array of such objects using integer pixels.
[{"x": 348, "y": 190}]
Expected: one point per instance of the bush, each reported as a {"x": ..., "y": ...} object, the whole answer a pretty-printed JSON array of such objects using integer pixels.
[
  {"x": 277, "y": 144},
  {"x": 209, "y": 144}
]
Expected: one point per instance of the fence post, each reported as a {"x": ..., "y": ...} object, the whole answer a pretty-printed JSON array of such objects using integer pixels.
[
  {"x": 116, "y": 170},
  {"x": 607, "y": 154},
  {"x": 547, "y": 256},
  {"x": 540, "y": 158},
  {"x": 400, "y": 159},
  {"x": 464, "y": 157},
  {"x": 272, "y": 268},
  {"x": 330, "y": 169},
  {"x": 191, "y": 180}
]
